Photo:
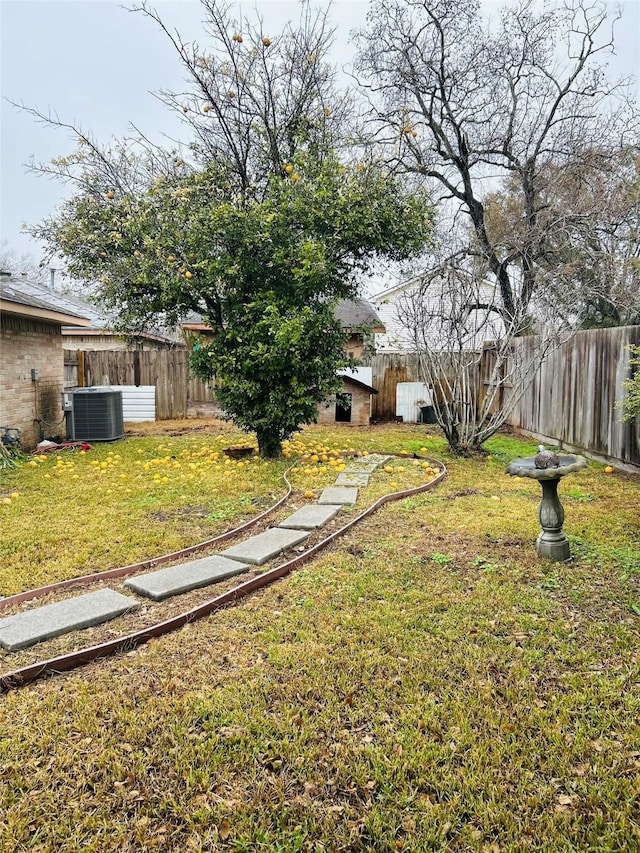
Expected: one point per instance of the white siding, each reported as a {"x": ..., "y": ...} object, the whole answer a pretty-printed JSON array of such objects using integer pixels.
[
  {"x": 437, "y": 309},
  {"x": 138, "y": 402},
  {"x": 362, "y": 374}
]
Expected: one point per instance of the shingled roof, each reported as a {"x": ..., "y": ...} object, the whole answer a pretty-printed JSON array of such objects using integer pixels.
[
  {"x": 20, "y": 296},
  {"x": 357, "y": 314}
]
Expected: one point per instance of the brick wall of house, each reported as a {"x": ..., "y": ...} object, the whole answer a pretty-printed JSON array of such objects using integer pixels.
[
  {"x": 360, "y": 407},
  {"x": 33, "y": 406}
]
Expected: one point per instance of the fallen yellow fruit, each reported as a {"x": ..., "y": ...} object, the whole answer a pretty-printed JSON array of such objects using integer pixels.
[{"x": 608, "y": 470}]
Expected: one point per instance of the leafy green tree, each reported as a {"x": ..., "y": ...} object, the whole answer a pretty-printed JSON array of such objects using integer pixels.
[
  {"x": 261, "y": 232},
  {"x": 631, "y": 403}
]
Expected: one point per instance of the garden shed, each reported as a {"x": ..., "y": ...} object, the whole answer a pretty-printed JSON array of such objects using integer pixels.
[{"x": 352, "y": 404}]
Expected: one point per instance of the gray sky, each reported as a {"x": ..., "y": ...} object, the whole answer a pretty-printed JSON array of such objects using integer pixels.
[{"x": 95, "y": 64}]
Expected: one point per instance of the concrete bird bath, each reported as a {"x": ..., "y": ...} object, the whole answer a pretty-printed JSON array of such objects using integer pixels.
[{"x": 552, "y": 543}]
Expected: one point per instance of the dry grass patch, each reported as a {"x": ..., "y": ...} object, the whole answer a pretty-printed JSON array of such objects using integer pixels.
[{"x": 428, "y": 684}]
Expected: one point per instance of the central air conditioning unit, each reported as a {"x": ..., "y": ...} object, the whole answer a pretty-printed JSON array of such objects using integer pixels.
[{"x": 94, "y": 414}]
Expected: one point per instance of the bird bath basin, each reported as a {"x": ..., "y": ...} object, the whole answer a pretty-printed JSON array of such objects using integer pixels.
[{"x": 552, "y": 543}]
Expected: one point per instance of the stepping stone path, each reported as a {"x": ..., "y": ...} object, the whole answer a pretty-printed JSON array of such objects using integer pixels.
[
  {"x": 352, "y": 478},
  {"x": 311, "y": 517},
  {"x": 185, "y": 577},
  {"x": 345, "y": 495},
  {"x": 43, "y": 623},
  {"x": 263, "y": 547}
]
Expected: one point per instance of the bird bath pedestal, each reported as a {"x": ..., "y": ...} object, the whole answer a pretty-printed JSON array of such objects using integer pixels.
[{"x": 552, "y": 543}]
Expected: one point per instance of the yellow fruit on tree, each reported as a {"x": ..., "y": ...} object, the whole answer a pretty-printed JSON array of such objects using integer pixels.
[
  {"x": 266, "y": 42},
  {"x": 188, "y": 274},
  {"x": 111, "y": 194}
]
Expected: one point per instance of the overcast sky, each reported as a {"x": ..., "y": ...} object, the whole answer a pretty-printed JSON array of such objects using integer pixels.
[{"x": 96, "y": 64}]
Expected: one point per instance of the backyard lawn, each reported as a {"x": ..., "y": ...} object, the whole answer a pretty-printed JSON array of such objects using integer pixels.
[{"x": 427, "y": 683}]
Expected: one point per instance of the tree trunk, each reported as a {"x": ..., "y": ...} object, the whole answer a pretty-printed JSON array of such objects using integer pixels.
[{"x": 269, "y": 444}]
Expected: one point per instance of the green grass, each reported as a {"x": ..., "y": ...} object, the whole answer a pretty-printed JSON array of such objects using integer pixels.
[{"x": 428, "y": 684}]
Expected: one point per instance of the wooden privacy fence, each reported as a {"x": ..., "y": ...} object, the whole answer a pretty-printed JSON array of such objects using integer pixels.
[
  {"x": 166, "y": 369},
  {"x": 572, "y": 399},
  {"x": 388, "y": 369}
]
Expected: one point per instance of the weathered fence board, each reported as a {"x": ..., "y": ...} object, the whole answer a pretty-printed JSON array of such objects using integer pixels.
[
  {"x": 199, "y": 391},
  {"x": 572, "y": 399},
  {"x": 388, "y": 369},
  {"x": 166, "y": 369}
]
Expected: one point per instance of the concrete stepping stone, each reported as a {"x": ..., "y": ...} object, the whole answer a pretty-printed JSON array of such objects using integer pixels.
[
  {"x": 311, "y": 517},
  {"x": 367, "y": 463},
  {"x": 42, "y": 623},
  {"x": 343, "y": 495},
  {"x": 352, "y": 478},
  {"x": 263, "y": 547},
  {"x": 185, "y": 577}
]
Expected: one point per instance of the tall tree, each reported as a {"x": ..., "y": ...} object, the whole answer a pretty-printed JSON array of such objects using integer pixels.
[
  {"x": 590, "y": 274},
  {"x": 467, "y": 106},
  {"x": 462, "y": 103},
  {"x": 260, "y": 224}
]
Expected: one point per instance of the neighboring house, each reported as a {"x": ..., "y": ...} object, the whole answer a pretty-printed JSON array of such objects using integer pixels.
[
  {"x": 440, "y": 310},
  {"x": 31, "y": 364},
  {"x": 352, "y": 404},
  {"x": 361, "y": 322},
  {"x": 101, "y": 334}
]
